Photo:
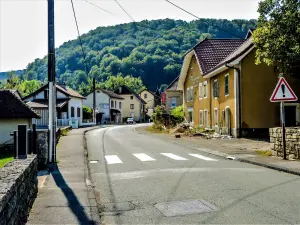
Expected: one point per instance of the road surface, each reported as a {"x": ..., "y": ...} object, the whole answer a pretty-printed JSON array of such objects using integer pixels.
[{"x": 144, "y": 180}]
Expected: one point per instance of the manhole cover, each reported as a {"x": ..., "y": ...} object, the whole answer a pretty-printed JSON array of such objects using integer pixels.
[
  {"x": 93, "y": 161},
  {"x": 179, "y": 208}
]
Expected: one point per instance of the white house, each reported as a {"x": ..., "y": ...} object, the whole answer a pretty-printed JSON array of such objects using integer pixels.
[
  {"x": 68, "y": 106},
  {"x": 13, "y": 111},
  {"x": 108, "y": 106}
]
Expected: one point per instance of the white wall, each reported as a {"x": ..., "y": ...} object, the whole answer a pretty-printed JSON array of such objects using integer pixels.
[
  {"x": 40, "y": 95},
  {"x": 126, "y": 111},
  {"x": 101, "y": 98},
  {"x": 9, "y": 125},
  {"x": 75, "y": 102}
]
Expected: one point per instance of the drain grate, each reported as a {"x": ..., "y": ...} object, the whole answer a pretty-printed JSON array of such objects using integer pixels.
[
  {"x": 180, "y": 208},
  {"x": 94, "y": 161}
]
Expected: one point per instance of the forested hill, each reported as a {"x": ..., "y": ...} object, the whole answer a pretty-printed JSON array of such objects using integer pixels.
[{"x": 152, "y": 50}]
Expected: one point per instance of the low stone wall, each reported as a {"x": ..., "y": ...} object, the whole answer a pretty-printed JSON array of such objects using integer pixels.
[
  {"x": 18, "y": 190},
  {"x": 42, "y": 148},
  {"x": 292, "y": 137}
]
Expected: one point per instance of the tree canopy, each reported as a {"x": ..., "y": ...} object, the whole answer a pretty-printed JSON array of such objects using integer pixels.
[
  {"x": 152, "y": 50},
  {"x": 277, "y": 37}
]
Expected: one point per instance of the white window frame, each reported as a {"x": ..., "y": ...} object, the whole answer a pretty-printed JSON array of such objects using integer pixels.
[
  {"x": 205, "y": 120},
  {"x": 205, "y": 90},
  {"x": 216, "y": 117},
  {"x": 173, "y": 100},
  {"x": 201, "y": 118},
  {"x": 227, "y": 75},
  {"x": 200, "y": 90},
  {"x": 192, "y": 93},
  {"x": 216, "y": 81}
]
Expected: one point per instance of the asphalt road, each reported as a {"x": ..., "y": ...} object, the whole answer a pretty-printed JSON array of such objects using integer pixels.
[{"x": 136, "y": 175}]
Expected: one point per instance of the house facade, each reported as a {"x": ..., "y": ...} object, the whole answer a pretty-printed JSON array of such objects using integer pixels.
[
  {"x": 68, "y": 106},
  {"x": 151, "y": 99},
  {"x": 174, "y": 97},
  {"x": 13, "y": 111},
  {"x": 108, "y": 106},
  {"x": 226, "y": 91},
  {"x": 133, "y": 104}
]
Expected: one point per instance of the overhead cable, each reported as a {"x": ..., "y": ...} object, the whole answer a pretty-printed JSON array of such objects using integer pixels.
[
  {"x": 99, "y": 7},
  {"x": 125, "y": 11}
]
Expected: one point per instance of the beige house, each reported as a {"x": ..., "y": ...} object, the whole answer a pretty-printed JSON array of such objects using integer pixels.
[
  {"x": 13, "y": 111},
  {"x": 133, "y": 104},
  {"x": 151, "y": 99},
  {"x": 174, "y": 97}
]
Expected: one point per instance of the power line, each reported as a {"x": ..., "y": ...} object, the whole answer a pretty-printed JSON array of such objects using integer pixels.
[
  {"x": 100, "y": 7},
  {"x": 83, "y": 53},
  {"x": 125, "y": 11},
  {"x": 204, "y": 21}
]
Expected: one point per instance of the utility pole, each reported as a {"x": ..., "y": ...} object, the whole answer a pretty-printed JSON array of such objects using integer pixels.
[
  {"x": 94, "y": 100},
  {"x": 51, "y": 83}
]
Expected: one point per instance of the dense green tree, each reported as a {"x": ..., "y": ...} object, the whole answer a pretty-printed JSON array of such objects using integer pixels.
[{"x": 277, "y": 37}]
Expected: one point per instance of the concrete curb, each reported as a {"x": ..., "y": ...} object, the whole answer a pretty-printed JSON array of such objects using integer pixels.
[
  {"x": 95, "y": 213},
  {"x": 231, "y": 157}
]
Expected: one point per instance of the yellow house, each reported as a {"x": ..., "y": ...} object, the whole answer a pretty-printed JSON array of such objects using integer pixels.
[
  {"x": 238, "y": 91},
  {"x": 133, "y": 105},
  {"x": 151, "y": 101}
]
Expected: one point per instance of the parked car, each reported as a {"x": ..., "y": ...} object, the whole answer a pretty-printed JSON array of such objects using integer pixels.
[{"x": 130, "y": 120}]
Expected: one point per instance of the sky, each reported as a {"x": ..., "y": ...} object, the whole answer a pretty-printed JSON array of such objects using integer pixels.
[{"x": 23, "y": 23}]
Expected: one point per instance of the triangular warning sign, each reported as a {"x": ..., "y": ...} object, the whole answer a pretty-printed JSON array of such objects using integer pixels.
[{"x": 283, "y": 92}]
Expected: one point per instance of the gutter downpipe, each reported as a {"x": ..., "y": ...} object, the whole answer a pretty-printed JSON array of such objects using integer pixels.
[{"x": 239, "y": 98}]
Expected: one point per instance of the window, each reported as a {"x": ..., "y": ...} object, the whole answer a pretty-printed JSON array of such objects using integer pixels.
[
  {"x": 115, "y": 104},
  {"x": 145, "y": 96},
  {"x": 205, "y": 118},
  {"x": 131, "y": 106},
  {"x": 131, "y": 97},
  {"x": 190, "y": 94},
  {"x": 190, "y": 114},
  {"x": 216, "y": 116},
  {"x": 45, "y": 94},
  {"x": 78, "y": 112},
  {"x": 111, "y": 104},
  {"x": 120, "y": 105},
  {"x": 216, "y": 88},
  {"x": 72, "y": 112},
  {"x": 201, "y": 118},
  {"x": 205, "y": 89},
  {"x": 173, "y": 102},
  {"x": 200, "y": 90},
  {"x": 227, "y": 84}
]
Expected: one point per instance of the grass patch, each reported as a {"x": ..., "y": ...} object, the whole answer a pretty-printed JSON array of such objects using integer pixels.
[
  {"x": 157, "y": 129},
  {"x": 64, "y": 132},
  {"x": 5, "y": 158},
  {"x": 264, "y": 152}
]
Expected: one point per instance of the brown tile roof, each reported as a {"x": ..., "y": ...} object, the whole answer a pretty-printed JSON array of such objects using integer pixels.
[
  {"x": 43, "y": 103},
  {"x": 235, "y": 54},
  {"x": 126, "y": 90},
  {"x": 13, "y": 107},
  {"x": 111, "y": 93},
  {"x": 68, "y": 91},
  {"x": 210, "y": 52},
  {"x": 173, "y": 85}
]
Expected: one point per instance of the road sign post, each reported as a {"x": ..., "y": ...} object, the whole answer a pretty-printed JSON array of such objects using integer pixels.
[{"x": 283, "y": 92}]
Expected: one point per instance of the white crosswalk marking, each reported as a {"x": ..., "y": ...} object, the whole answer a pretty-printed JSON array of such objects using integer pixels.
[
  {"x": 202, "y": 157},
  {"x": 172, "y": 156},
  {"x": 112, "y": 159},
  {"x": 143, "y": 157}
]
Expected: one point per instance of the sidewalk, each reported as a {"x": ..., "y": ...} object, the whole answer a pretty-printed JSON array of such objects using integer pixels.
[
  {"x": 64, "y": 197},
  {"x": 234, "y": 149}
]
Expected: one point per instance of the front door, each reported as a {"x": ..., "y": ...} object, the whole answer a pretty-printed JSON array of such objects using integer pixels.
[{"x": 290, "y": 116}]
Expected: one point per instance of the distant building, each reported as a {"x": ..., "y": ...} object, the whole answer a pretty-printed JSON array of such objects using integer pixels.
[
  {"x": 13, "y": 111},
  {"x": 174, "y": 97},
  {"x": 68, "y": 106},
  {"x": 133, "y": 106},
  {"x": 151, "y": 99},
  {"x": 108, "y": 106}
]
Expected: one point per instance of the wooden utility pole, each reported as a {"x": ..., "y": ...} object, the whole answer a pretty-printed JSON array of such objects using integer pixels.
[
  {"x": 51, "y": 83},
  {"x": 94, "y": 100}
]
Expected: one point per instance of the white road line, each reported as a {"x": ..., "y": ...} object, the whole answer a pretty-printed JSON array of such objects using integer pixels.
[
  {"x": 172, "y": 156},
  {"x": 202, "y": 157},
  {"x": 143, "y": 157},
  {"x": 112, "y": 159}
]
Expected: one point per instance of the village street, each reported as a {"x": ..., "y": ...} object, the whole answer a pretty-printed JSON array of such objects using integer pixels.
[{"x": 136, "y": 174}]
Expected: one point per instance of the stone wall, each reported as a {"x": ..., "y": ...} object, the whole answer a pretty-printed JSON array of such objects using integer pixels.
[
  {"x": 292, "y": 142},
  {"x": 42, "y": 148},
  {"x": 18, "y": 190}
]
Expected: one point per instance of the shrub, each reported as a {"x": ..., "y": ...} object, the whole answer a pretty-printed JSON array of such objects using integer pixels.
[
  {"x": 177, "y": 115},
  {"x": 87, "y": 113}
]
